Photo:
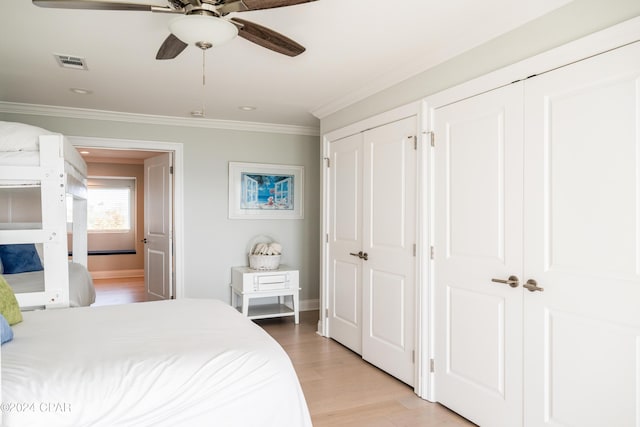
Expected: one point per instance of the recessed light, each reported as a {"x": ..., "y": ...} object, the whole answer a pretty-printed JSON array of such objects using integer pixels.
[
  {"x": 80, "y": 91},
  {"x": 247, "y": 108},
  {"x": 85, "y": 152}
]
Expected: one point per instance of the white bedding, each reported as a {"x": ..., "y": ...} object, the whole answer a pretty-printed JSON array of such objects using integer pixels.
[
  {"x": 168, "y": 363},
  {"x": 19, "y": 146},
  {"x": 81, "y": 290}
]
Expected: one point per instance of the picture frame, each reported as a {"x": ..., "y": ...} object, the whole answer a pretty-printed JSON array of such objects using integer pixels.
[{"x": 266, "y": 191}]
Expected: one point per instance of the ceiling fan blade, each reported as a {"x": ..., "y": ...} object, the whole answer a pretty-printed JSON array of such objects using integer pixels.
[
  {"x": 92, "y": 4},
  {"x": 171, "y": 47},
  {"x": 270, "y": 4},
  {"x": 268, "y": 38}
]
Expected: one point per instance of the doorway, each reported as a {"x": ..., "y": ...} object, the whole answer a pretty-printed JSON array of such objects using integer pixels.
[{"x": 134, "y": 280}]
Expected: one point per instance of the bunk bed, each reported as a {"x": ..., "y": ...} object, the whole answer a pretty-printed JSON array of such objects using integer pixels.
[
  {"x": 183, "y": 362},
  {"x": 34, "y": 157}
]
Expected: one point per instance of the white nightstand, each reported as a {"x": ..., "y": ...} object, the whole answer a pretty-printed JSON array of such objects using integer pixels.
[{"x": 249, "y": 284}]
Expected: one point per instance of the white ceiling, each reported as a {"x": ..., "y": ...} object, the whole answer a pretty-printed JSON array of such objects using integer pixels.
[{"x": 354, "y": 48}]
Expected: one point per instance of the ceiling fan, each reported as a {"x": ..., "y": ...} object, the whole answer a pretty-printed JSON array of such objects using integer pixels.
[{"x": 202, "y": 23}]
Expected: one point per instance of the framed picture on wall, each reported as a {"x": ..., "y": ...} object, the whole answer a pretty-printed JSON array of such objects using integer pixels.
[{"x": 265, "y": 191}]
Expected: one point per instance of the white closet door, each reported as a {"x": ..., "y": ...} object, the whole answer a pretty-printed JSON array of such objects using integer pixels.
[
  {"x": 345, "y": 239},
  {"x": 389, "y": 235},
  {"x": 478, "y": 237},
  {"x": 582, "y": 236}
]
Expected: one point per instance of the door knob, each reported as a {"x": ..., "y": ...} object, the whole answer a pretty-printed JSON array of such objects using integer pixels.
[
  {"x": 361, "y": 255},
  {"x": 144, "y": 240},
  {"x": 532, "y": 286},
  {"x": 511, "y": 281}
]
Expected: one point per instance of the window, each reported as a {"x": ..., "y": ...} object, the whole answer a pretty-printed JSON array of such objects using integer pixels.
[
  {"x": 111, "y": 213},
  {"x": 109, "y": 208}
]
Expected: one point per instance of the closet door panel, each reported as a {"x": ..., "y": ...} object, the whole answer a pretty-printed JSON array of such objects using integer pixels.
[
  {"x": 345, "y": 238},
  {"x": 475, "y": 185},
  {"x": 389, "y": 233},
  {"x": 478, "y": 237},
  {"x": 582, "y": 240}
]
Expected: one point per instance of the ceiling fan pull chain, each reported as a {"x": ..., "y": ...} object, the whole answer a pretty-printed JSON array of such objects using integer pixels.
[{"x": 203, "y": 79}]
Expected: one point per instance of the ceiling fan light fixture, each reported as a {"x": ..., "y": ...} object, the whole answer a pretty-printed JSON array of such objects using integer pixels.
[{"x": 192, "y": 29}]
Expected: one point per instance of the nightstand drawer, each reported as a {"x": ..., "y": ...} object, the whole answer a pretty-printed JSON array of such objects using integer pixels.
[
  {"x": 247, "y": 280},
  {"x": 271, "y": 282}
]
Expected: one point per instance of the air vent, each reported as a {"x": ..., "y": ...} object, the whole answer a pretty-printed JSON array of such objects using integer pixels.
[{"x": 74, "y": 62}]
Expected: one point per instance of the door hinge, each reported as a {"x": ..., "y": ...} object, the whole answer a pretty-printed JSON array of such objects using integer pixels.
[
  {"x": 328, "y": 161},
  {"x": 432, "y": 138},
  {"x": 415, "y": 141},
  {"x": 432, "y": 365},
  {"x": 326, "y": 312},
  {"x": 413, "y": 356},
  {"x": 326, "y": 238},
  {"x": 432, "y": 252},
  {"x": 170, "y": 170},
  {"x": 414, "y": 249}
]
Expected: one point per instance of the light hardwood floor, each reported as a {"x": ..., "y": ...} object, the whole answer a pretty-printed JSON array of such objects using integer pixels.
[
  {"x": 341, "y": 389},
  {"x": 119, "y": 291}
]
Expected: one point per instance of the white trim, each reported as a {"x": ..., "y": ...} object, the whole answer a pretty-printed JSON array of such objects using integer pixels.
[
  {"x": 424, "y": 270},
  {"x": 82, "y": 113},
  {"x": 116, "y": 274},
  {"x": 178, "y": 197}
]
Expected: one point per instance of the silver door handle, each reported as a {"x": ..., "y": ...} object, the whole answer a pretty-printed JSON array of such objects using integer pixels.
[
  {"x": 532, "y": 286},
  {"x": 511, "y": 281},
  {"x": 361, "y": 255}
]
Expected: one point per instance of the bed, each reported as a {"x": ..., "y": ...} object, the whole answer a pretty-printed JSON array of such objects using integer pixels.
[
  {"x": 81, "y": 290},
  {"x": 183, "y": 362},
  {"x": 34, "y": 157}
]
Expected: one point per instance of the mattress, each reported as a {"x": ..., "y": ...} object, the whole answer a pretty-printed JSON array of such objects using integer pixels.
[
  {"x": 81, "y": 290},
  {"x": 19, "y": 146},
  {"x": 180, "y": 362}
]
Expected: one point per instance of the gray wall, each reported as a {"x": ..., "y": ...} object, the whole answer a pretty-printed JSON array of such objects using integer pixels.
[
  {"x": 214, "y": 243},
  {"x": 570, "y": 22}
]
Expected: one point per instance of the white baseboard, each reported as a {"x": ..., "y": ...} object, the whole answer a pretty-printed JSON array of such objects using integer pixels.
[
  {"x": 305, "y": 304},
  {"x": 116, "y": 274},
  {"x": 309, "y": 304}
]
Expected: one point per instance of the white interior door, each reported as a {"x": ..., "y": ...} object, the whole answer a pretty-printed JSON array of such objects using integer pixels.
[
  {"x": 345, "y": 240},
  {"x": 389, "y": 236},
  {"x": 478, "y": 237},
  {"x": 582, "y": 234},
  {"x": 158, "y": 225}
]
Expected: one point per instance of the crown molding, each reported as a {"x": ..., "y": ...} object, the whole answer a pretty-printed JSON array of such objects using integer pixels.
[{"x": 81, "y": 113}]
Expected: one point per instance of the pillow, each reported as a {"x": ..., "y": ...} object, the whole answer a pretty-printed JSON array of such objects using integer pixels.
[
  {"x": 9, "y": 307},
  {"x": 6, "y": 334},
  {"x": 20, "y": 258}
]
